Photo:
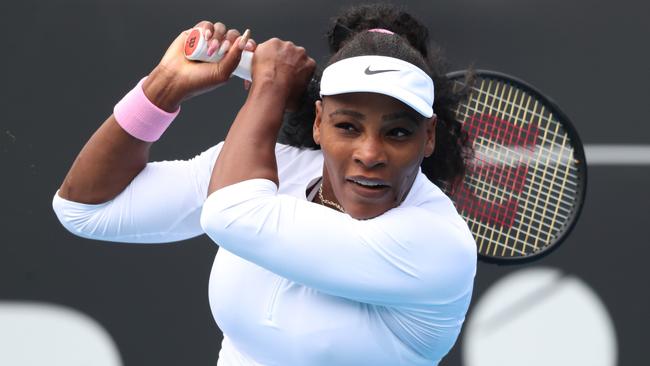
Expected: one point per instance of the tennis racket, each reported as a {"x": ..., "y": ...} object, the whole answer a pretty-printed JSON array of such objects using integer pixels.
[{"x": 526, "y": 184}]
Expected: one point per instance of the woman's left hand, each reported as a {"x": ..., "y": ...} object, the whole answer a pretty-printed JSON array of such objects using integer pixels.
[{"x": 285, "y": 65}]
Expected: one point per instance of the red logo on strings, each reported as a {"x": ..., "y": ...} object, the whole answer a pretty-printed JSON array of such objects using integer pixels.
[{"x": 494, "y": 182}]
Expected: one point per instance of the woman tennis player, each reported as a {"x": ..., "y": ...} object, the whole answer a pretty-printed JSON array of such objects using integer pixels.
[{"x": 346, "y": 254}]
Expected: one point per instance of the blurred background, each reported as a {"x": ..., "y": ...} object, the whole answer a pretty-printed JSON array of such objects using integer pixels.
[{"x": 74, "y": 301}]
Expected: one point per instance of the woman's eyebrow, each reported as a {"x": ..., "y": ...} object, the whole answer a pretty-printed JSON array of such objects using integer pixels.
[
  {"x": 401, "y": 115},
  {"x": 348, "y": 112}
]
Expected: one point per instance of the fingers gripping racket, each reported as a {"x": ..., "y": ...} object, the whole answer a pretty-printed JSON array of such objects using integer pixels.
[
  {"x": 196, "y": 49},
  {"x": 526, "y": 185}
]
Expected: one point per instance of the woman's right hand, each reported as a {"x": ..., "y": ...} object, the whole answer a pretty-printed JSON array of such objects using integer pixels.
[{"x": 176, "y": 78}]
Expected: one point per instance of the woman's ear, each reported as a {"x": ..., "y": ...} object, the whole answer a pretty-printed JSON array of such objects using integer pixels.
[
  {"x": 430, "y": 144},
  {"x": 317, "y": 120}
]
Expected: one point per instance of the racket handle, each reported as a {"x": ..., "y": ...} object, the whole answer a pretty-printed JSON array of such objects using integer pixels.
[{"x": 196, "y": 49}]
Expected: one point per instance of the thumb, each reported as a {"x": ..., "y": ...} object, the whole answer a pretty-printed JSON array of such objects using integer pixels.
[
  {"x": 176, "y": 47},
  {"x": 179, "y": 42},
  {"x": 229, "y": 62}
]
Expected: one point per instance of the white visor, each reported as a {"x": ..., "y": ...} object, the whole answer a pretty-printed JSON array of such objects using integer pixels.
[{"x": 380, "y": 74}]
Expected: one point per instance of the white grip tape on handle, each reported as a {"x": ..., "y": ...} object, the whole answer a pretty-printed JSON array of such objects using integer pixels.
[{"x": 196, "y": 49}]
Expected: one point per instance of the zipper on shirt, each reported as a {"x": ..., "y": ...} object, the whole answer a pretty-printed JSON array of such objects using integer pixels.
[{"x": 273, "y": 299}]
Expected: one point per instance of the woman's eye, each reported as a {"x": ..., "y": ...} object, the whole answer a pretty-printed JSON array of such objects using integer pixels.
[
  {"x": 399, "y": 132},
  {"x": 346, "y": 127}
]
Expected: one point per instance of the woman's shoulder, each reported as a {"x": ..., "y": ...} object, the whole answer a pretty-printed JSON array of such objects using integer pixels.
[
  {"x": 289, "y": 152},
  {"x": 434, "y": 202},
  {"x": 285, "y": 155},
  {"x": 426, "y": 194},
  {"x": 294, "y": 162}
]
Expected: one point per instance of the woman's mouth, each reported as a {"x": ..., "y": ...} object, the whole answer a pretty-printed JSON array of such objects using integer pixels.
[{"x": 368, "y": 187}]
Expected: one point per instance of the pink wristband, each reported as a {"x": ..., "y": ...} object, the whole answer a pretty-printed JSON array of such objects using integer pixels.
[{"x": 141, "y": 118}]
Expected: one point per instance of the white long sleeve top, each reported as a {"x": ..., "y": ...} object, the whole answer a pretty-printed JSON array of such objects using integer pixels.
[{"x": 297, "y": 283}]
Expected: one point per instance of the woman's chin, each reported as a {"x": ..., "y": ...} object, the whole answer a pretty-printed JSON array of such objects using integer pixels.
[{"x": 365, "y": 211}]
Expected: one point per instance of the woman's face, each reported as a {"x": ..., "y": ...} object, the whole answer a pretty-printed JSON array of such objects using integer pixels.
[{"x": 372, "y": 147}]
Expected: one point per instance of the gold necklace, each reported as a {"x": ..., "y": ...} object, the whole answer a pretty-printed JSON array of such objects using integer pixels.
[{"x": 323, "y": 200}]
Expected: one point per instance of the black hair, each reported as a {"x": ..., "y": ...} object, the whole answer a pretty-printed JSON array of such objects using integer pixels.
[{"x": 348, "y": 37}]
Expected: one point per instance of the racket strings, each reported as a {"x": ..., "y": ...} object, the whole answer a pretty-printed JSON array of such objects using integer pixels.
[
  {"x": 528, "y": 233},
  {"x": 521, "y": 188},
  {"x": 527, "y": 211},
  {"x": 482, "y": 231},
  {"x": 548, "y": 148}
]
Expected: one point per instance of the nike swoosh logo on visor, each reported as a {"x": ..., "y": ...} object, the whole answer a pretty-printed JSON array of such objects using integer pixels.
[{"x": 373, "y": 72}]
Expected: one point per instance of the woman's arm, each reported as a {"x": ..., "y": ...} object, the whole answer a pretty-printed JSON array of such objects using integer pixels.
[
  {"x": 111, "y": 192},
  {"x": 112, "y": 158},
  {"x": 161, "y": 204},
  {"x": 280, "y": 74},
  {"x": 408, "y": 255}
]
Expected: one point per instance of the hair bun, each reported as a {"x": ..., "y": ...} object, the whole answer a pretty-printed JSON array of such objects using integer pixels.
[
  {"x": 364, "y": 17},
  {"x": 337, "y": 35}
]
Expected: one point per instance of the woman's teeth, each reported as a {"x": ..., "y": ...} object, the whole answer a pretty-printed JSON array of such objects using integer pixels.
[{"x": 367, "y": 183}]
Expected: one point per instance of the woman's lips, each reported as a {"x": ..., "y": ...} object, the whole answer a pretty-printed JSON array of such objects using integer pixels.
[{"x": 368, "y": 187}]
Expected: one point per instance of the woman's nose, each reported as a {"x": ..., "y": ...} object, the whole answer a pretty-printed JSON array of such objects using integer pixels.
[{"x": 370, "y": 152}]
